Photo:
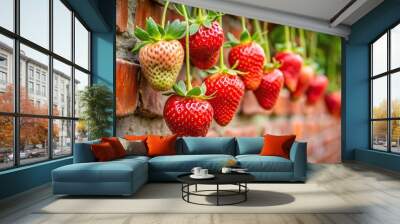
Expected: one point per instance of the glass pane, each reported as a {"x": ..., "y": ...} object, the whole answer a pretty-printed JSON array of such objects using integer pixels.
[
  {"x": 379, "y": 135},
  {"x": 81, "y": 131},
  {"x": 34, "y": 97},
  {"x": 379, "y": 55},
  {"x": 62, "y": 89},
  {"x": 62, "y": 29},
  {"x": 395, "y": 47},
  {"x": 62, "y": 138},
  {"x": 6, "y": 142},
  {"x": 395, "y": 129},
  {"x": 81, "y": 81},
  {"x": 35, "y": 21},
  {"x": 33, "y": 139},
  {"x": 395, "y": 94},
  {"x": 379, "y": 97},
  {"x": 6, "y": 74},
  {"x": 81, "y": 45},
  {"x": 7, "y": 14}
]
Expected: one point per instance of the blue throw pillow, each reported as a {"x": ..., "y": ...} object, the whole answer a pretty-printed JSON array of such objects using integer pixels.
[
  {"x": 207, "y": 145},
  {"x": 249, "y": 145}
]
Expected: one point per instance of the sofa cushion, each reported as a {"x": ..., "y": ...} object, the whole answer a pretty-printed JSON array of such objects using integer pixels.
[
  {"x": 277, "y": 145},
  {"x": 112, "y": 171},
  {"x": 206, "y": 145},
  {"x": 185, "y": 163},
  {"x": 159, "y": 145},
  {"x": 257, "y": 163},
  {"x": 249, "y": 145},
  {"x": 116, "y": 145}
]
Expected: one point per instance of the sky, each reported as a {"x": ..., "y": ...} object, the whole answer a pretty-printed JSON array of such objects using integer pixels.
[{"x": 35, "y": 27}]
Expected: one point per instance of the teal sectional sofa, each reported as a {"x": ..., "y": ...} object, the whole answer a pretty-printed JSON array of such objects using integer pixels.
[{"x": 125, "y": 176}]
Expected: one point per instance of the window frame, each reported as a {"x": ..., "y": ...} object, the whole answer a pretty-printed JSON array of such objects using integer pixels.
[
  {"x": 16, "y": 114},
  {"x": 388, "y": 74}
]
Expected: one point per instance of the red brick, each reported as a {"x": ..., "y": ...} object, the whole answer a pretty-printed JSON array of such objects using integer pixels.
[
  {"x": 126, "y": 87},
  {"x": 122, "y": 15}
]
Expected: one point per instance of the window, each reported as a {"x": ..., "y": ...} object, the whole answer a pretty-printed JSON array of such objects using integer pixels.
[
  {"x": 44, "y": 74},
  {"x": 385, "y": 95}
]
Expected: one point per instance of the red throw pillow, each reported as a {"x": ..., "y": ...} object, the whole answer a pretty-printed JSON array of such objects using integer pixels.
[
  {"x": 116, "y": 145},
  {"x": 135, "y": 137},
  {"x": 277, "y": 145},
  {"x": 103, "y": 151},
  {"x": 161, "y": 145}
]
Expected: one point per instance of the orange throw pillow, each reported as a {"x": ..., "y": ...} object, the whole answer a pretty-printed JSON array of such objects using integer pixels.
[
  {"x": 277, "y": 145},
  {"x": 135, "y": 137},
  {"x": 103, "y": 152},
  {"x": 161, "y": 145},
  {"x": 116, "y": 145}
]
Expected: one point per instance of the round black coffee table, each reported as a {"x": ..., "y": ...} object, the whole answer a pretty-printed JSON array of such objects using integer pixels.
[{"x": 238, "y": 179}]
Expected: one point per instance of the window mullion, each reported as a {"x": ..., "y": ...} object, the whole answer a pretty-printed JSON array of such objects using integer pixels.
[
  {"x": 389, "y": 104},
  {"x": 50, "y": 81},
  {"x": 73, "y": 82}
]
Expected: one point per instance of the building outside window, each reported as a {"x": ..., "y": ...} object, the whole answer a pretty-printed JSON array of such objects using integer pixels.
[
  {"x": 58, "y": 125},
  {"x": 385, "y": 94}
]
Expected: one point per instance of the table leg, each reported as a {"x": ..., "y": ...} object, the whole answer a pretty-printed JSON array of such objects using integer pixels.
[
  {"x": 217, "y": 194},
  {"x": 195, "y": 188},
  {"x": 245, "y": 193}
]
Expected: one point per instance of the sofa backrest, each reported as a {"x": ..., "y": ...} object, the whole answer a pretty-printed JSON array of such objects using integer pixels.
[
  {"x": 205, "y": 145},
  {"x": 249, "y": 145},
  {"x": 83, "y": 153}
]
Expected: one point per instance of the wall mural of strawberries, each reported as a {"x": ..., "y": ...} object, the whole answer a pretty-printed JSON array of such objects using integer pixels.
[{"x": 206, "y": 73}]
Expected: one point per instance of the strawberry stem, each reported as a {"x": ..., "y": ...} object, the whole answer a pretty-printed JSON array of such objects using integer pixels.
[
  {"x": 303, "y": 42},
  {"x": 287, "y": 38},
  {"x": 264, "y": 39},
  {"x": 221, "y": 51},
  {"x": 164, "y": 14},
  {"x": 243, "y": 21},
  {"x": 188, "y": 77}
]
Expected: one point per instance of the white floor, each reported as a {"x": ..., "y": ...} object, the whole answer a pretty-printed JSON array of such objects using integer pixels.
[{"x": 376, "y": 189}]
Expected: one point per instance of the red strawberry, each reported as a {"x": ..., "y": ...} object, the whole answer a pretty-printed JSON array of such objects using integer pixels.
[
  {"x": 333, "y": 102},
  {"x": 290, "y": 66},
  {"x": 268, "y": 91},
  {"x": 205, "y": 44},
  {"x": 228, "y": 90},
  {"x": 250, "y": 60},
  {"x": 316, "y": 89},
  {"x": 186, "y": 116},
  {"x": 306, "y": 75}
]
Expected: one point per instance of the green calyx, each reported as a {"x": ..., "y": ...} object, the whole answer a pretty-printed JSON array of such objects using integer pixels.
[
  {"x": 198, "y": 92},
  {"x": 269, "y": 66},
  {"x": 202, "y": 18},
  {"x": 223, "y": 69},
  {"x": 154, "y": 33},
  {"x": 245, "y": 38}
]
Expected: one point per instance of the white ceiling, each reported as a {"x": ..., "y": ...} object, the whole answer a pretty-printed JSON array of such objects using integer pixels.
[{"x": 317, "y": 15}]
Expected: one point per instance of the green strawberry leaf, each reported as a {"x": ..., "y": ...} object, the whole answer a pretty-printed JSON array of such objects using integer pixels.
[
  {"x": 182, "y": 86},
  {"x": 194, "y": 27},
  {"x": 207, "y": 23},
  {"x": 203, "y": 89},
  {"x": 232, "y": 37},
  {"x": 169, "y": 93},
  {"x": 178, "y": 90},
  {"x": 175, "y": 30},
  {"x": 161, "y": 30},
  {"x": 138, "y": 46},
  {"x": 231, "y": 72},
  {"x": 256, "y": 37},
  {"x": 245, "y": 36},
  {"x": 179, "y": 9},
  {"x": 141, "y": 34},
  {"x": 196, "y": 91},
  {"x": 152, "y": 29}
]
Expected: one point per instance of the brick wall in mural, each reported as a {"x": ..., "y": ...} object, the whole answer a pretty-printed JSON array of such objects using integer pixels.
[{"x": 288, "y": 83}]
